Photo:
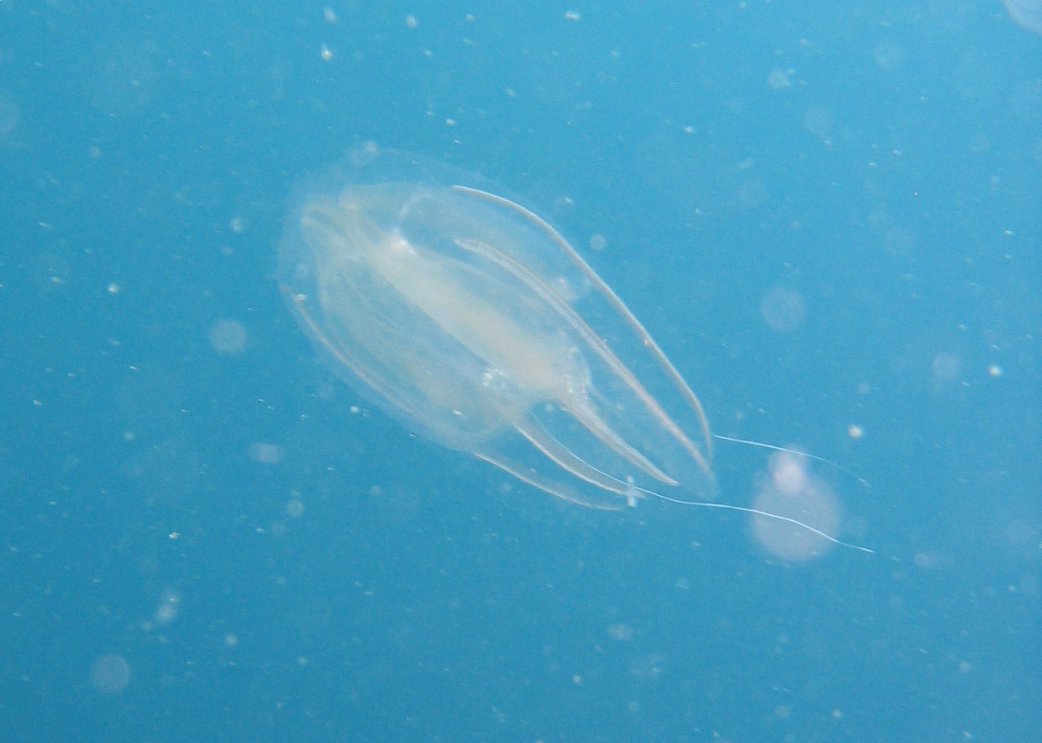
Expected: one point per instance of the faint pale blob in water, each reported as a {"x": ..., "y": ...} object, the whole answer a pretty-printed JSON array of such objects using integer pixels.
[
  {"x": 898, "y": 241},
  {"x": 168, "y": 608},
  {"x": 228, "y": 337},
  {"x": 1029, "y": 585},
  {"x": 946, "y": 367},
  {"x": 888, "y": 55},
  {"x": 1025, "y": 102},
  {"x": 1023, "y": 535},
  {"x": 819, "y": 120},
  {"x": 647, "y": 666},
  {"x": 9, "y": 116},
  {"x": 780, "y": 79},
  {"x": 783, "y": 309},
  {"x": 620, "y": 632},
  {"x": 791, "y": 490},
  {"x": 110, "y": 674},
  {"x": 752, "y": 193},
  {"x": 930, "y": 560},
  {"x": 1027, "y": 13},
  {"x": 49, "y": 272},
  {"x": 265, "y": 453}
]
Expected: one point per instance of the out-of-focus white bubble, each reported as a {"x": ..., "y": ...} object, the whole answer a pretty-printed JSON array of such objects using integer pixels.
[
  {"x": 228, "y": 337},
  {"x": 789, "y": 489},
  {"x": 110, "y": 674}
]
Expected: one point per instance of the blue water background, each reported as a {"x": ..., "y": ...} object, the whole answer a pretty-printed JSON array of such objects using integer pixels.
[{"x": 205, "y": 535}]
